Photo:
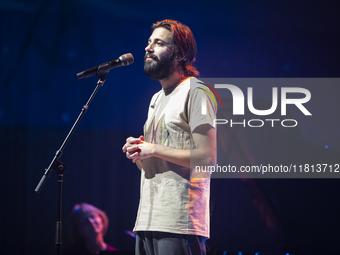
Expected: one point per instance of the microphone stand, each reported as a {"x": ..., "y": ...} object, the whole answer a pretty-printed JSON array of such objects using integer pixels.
[{"x": 59, "y": 167}]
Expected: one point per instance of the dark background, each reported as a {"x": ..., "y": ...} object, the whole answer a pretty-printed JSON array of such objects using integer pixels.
[{"x": 45, "y": 43}]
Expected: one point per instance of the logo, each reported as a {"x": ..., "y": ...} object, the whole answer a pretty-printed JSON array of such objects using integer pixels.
[
  {"x": 281, "y": 97},
  {"x": 238, "y": 100}
]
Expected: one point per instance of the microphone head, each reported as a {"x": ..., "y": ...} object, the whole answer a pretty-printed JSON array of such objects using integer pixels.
[{"x": 126, "y": 59}]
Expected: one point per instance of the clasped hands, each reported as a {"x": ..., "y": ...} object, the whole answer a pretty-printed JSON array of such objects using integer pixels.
[{"x": 137, "y": 149}]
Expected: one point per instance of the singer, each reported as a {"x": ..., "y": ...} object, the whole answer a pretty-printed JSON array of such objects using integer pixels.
[{"x": 173, "y": 213}]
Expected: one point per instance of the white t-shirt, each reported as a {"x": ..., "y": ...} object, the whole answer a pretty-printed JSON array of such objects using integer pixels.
[{"x": 173, "y": 198}]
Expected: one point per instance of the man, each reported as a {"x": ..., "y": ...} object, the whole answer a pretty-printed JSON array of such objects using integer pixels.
[{"x": 173, "y": 214}]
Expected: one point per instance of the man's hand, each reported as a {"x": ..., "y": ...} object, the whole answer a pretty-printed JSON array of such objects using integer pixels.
[
  {"x": 203, "y": 155},
  {"x": 131, "y": 141},
  {"x": 136, "y": 149}
]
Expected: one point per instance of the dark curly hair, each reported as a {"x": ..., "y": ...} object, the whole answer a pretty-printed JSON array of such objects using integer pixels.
[{"x": 185, "y": 48}]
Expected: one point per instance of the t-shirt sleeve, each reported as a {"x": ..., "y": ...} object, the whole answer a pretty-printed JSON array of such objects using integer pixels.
[{"x": 202, "y": 106}]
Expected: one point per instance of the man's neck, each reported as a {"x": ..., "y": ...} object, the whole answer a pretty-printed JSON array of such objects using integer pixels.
[{"x": 173, "y": 80}]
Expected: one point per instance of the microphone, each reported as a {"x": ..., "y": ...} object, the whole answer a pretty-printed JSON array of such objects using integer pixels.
[{"x": 123, "y": 60}]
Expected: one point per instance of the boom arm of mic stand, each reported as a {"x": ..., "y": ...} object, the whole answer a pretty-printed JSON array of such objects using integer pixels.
[
  {"x": 59, "y": 167},
  {"x": 58, "y": 154}
]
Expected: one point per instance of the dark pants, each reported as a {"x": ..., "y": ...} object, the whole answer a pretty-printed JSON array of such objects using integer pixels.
[{"x": 162, "y": 243}]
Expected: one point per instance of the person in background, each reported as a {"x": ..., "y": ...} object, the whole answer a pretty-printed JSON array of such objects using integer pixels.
[{"x": 86, "y": 230}]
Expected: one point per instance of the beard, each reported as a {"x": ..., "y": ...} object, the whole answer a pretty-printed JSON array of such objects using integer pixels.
[{"x": 158, "y": 68}]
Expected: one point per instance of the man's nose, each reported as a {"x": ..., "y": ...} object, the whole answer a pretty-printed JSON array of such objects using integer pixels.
[{"x": 149, "y": 48}]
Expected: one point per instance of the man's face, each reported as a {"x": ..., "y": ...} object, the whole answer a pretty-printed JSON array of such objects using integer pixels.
[{"x": 158, "y": 60}]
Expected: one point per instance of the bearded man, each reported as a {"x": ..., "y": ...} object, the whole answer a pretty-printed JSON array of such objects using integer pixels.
[{"x": 179, "y": 138}]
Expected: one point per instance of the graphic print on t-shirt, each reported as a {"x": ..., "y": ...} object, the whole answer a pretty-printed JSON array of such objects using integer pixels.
[{"x": 156, "y": 135}]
